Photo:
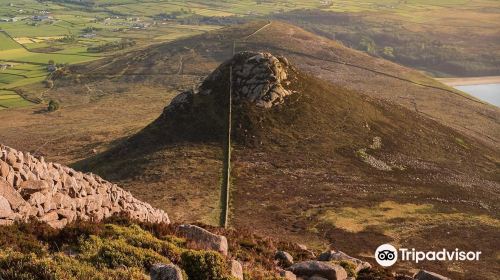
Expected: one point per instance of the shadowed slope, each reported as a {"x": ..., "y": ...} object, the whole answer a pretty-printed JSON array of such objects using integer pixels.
[{"x": 339, "y": 163}]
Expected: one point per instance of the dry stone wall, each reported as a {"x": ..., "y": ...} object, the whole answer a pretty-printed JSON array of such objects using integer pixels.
[{"x": 58, "y": 195}]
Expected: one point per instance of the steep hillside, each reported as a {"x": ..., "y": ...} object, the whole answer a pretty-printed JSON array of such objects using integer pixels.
[
  {"x": 324, "y": 58},
  {"x": 312, "y": 161}
]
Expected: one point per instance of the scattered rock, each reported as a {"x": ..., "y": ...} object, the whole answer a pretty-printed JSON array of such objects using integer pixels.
[
  {"x": 306, "y": 250},
  {"x": 302, "y": 247},
  {"x": 403, "y": 277},
  {"x": 165, "y": 272},
  {"x": 372, "y": 161},
  {"x": 4, "y": 169},
  {"x": 236, "y": 270},
  {"x": 332, "y": 255},
  {"x": 204, "y": 238},
  {"x": 68, "y": 214},
  {"x": 427, "y": 275},
  {"x": 316, "y": 268},
  {"x": 284, "y": 258}
]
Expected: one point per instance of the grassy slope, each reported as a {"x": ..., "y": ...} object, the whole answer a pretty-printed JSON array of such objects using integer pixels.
[
  {"x": 102, "y": 251},
  {"x": 302, "y": 168}
]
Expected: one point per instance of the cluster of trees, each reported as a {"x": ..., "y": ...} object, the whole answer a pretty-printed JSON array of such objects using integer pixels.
[
  {"x": 90, "y": 29},
  {"x": 69, "y": 38},
  {"x": 53, "y": 106},
  {"x": 189, "y": 18},
  {"x": 88, "y": 3},
  {"x": 112, "y": 46},
  {"x": 205, "y": 20},
  {"x": 173, "y": 15}
]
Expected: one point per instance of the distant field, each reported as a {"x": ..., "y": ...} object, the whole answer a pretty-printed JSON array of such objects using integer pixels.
[
  {"x": 25, "y": 68},
  {"x": 10, "y": 99},
  {"x": 29, "y": 44},
  {"x": 16, "y": 52}
]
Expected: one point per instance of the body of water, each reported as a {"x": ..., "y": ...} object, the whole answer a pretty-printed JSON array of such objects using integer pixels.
[{"x": 486, "y": 92}]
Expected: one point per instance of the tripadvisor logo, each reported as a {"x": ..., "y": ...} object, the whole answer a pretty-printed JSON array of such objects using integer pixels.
[{"x": 387, "y": 255}]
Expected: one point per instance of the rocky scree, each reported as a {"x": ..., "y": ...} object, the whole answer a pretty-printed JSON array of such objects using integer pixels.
[{"x": 58, "y": 195}]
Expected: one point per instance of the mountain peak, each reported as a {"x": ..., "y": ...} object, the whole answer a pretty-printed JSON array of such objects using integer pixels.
[{"x": 258, "y": 78}]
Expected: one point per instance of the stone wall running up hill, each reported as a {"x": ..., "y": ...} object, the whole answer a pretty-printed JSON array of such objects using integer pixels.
[{"x": 57, "y": 194}]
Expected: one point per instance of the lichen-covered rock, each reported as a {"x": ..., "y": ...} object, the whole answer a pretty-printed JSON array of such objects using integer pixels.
[
  {"x": 326, "y": 270},
  {"x": 204, "y": 239},
  {"x": 332, "y": 255},
  {"x": 284, "y": 258},
  {"x": 165, "y": 272},
  {"x": 58, "y": 195}
]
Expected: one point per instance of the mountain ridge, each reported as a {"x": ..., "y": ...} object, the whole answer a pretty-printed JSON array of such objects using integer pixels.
[{"x": 339, "y": 65}]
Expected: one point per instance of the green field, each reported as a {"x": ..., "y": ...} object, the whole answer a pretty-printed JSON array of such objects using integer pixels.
[
  {"x": 10, "y": 99},
  {"x": 27, "y": 67},
  {"x": 28, "y": 45}
]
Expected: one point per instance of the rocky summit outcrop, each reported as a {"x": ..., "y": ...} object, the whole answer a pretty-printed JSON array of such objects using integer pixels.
[
  {"x": 58, "y": 195},
  {"x": 257, "y": 78}
]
